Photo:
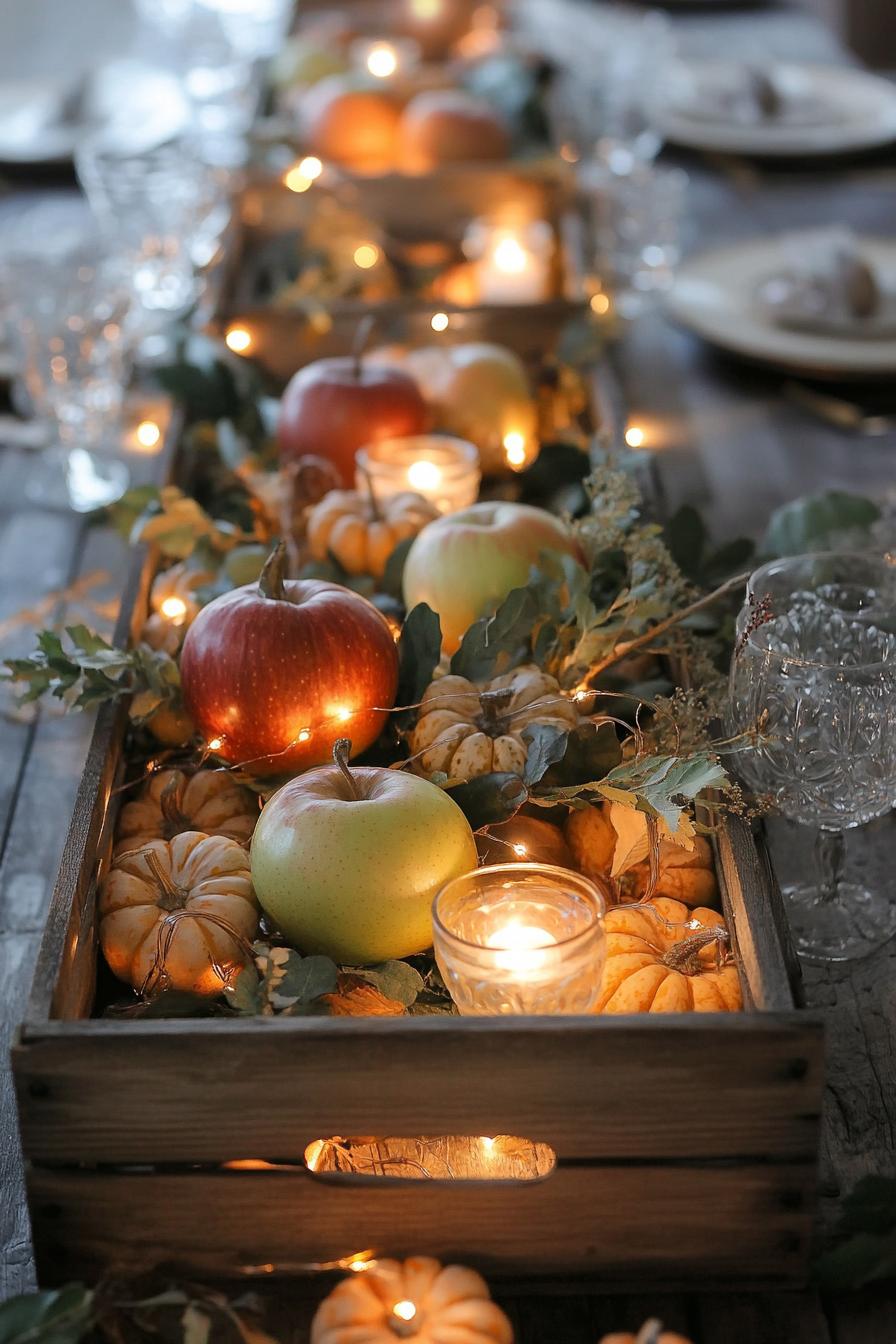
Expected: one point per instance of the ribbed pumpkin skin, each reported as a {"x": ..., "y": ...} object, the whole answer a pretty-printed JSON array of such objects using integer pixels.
[
  {"x": 172, "y": 802},
  {"x": 206, "y": 875},
  {"x": 453, "y": 1304},
  {"x": 637, "y": 979}
]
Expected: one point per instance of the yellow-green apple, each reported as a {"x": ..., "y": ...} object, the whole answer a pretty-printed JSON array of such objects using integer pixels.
[
  {"x": 304, "y": 60},
  {"x": 348, "y": 120},
  {"x": 464, "y": 564},
  {"x": 486, "y": 398},
  {"x": 333, "y": 407},
  {"x": 347, "y": 861},
  {"x": 449, "y": 126}
]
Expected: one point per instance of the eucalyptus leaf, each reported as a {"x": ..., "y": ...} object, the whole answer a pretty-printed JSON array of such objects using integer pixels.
[
  {"x": 244, "y": 994},
  {"x": 497, "y": 643},
  {"x": 56, "y": 1316},
  {"x": 196, "y": 1325},
  {"x": 395, "y": 979},
  {"x": 819, "y": 522},
  {"x": 307, "y": 978},
  {"x": 393, "y": 574},
  {"x": 545, "y": 745},
  {"x": 419, "y": 651},
  {"x": 489, "y": 799}
]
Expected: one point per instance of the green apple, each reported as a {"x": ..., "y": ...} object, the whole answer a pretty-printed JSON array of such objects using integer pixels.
[
  {"x": 464, "y": 564},
  {"x": 486, "y": 398},
  {"x": 347, "y": 861},
  {"x": 304, "y": 61}
]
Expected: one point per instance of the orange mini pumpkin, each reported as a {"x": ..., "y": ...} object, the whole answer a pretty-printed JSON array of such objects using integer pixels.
[
  {"x": 664, "y": 958},
  {"x": 172, "y": 802},
  {"x": 416, "y": 1299},
  {"x": 179, "y": 913}
]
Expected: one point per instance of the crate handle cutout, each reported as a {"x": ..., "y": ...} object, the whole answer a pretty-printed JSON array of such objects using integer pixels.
[{"x": 445, "y": 1158}]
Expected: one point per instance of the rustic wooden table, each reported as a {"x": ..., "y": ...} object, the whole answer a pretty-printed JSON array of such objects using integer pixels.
[{"x": 724, "y": 437}]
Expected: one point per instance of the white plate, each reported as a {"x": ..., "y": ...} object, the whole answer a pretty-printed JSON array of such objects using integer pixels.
[
  {"x": 850, "y": 110},
  {"x": 716, "y": 295}
]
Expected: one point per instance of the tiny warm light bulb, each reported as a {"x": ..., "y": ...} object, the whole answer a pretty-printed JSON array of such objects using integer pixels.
[
  {"x": 174, "y": 609},
  {"x": 424, "y": 475},
  {"x": 295, "y": 180},
  {"x": 311, "y": 167},
  {"x": 382, "y": 60},
  {"x": 510, "y": 256},
  {"x": 439, "y": 321},
  {"x": 634, "y": 436},
  {"x": 238, "y": 339},
  {"x": 343, "y": 714},
  {"x": 405, "y": 1310},
  {"x": 148, "y": 433},
  {"x": 366, "y": 255},
  {"x": 515, "y": 449},
  {"x": 489, "y": 1144},
  {"x": 216, "y": 744},
  {"x": 581, "y": 695},
  {"x": 304, "y": 734},
  {"x": 520, "y": 851},
  {"x": 600, "y": 304}
]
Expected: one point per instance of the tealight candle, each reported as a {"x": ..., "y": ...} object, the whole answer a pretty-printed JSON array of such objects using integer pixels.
[
  {"x": 512, "y": 264},
  {"x": 442, "y": 469},
  {"x": 520, "y": 938}
]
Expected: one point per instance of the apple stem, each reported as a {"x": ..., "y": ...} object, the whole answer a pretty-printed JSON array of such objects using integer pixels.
[
  {"x": 359, "y": 344},
  {"x": 376, "y": 512},
  {"x": 270, "y": 584},
  {"x": 342, "y": 750}
]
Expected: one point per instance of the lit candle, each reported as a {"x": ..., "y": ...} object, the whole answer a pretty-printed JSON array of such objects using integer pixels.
[
  {"x": 385, "y": 60},
  {"x": 512, "y": 264},
  {"x": 442, "y": 469},
  {"x": 520, "y": 938}
]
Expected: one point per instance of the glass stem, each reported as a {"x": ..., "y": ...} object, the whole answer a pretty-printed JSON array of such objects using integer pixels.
[{"x": 830, "y": 854}]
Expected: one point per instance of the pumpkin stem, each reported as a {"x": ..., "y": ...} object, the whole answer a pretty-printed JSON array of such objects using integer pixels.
[
  {"x": 650, "y": 1332},
  {"x": 270, "y": 584},
  {"x": 363, "y": 333},
  {"x": 492, "y": 706},
  {"x": 376, "y": 512},
  {"x": 685, "y": 956},
  {"x": 653, "y": 857},
  {"x": 172, "y": 897},
  {"x": 342, "y": 750},
  {"x": 170, "y": 805}
]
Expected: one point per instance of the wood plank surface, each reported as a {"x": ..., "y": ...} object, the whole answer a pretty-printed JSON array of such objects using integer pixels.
[{"x": 706, "y": 1223}]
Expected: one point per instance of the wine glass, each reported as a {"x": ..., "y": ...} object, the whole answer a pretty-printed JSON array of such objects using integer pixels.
[
  {"x": 68, "y": 309},
  {"x": 813, "y": 677}
]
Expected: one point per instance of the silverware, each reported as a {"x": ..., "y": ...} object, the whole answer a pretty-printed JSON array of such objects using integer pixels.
[{"x": 838, "y": 411}]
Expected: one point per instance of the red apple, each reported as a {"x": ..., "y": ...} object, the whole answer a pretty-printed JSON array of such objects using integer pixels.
[
  {"x": 279, "y": 670},
  {"x": 333, "y": 407},
  {"x": 465, "y": 564}
]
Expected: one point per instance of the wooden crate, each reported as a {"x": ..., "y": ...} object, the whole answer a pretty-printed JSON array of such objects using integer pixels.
[
  {"x": 283, "y": 338},
  {"x": 683, "y": 1147}
]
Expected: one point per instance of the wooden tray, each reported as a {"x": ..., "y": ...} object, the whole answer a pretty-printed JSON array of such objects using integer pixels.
[
  {"x": 685, "y": 1146},
  {"x": 282, "y": 337}
]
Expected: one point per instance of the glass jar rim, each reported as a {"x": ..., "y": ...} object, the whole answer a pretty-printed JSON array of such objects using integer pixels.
[
  {"x": 585, "y": 888},
  {"x": 759, "y": 576}
]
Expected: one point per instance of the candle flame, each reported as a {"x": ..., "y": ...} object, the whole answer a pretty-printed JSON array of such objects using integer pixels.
[
  {"x": 366, "y": 255},
  {"x": 238, "y": 339},
  {"x": 148, "y": 433},
  {"x": 424, "y": 475},
  {"x": 510, "y": 256},
  {"x": 382, "y": 60},
  {"x": 174, "y": 609},
  {"x": 405, "y": 1310},
  {"x": 515, "y": 449}
]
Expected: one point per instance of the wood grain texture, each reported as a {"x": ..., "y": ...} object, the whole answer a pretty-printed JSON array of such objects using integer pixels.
[
  {"x": 618, "y": 1222},
  {"x": 720, "y": 1085}
]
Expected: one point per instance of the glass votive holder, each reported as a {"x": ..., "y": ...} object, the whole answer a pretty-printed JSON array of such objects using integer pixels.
[
  {"x": 520, "y": 938},
  {"x": 633, "y": 231},
  {"x": 512, "y": 262},
  {"x": 441, "y": 468}
]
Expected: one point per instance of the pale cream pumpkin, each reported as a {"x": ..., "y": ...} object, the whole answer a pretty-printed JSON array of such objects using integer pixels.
[
  {"x": 664, "y": 958},
  {"x": 467, "y": 729},
  {"x": 416, "y": 1299},
  {"x": 172, "y": 802},
  {"x": 173, "y": 593},
  {"x": 179, "y": 913},
  {"x": 361, "y": 533}
]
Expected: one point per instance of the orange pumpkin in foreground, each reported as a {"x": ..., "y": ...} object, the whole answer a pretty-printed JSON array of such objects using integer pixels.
[
  {"x": 664, "y": 958},
  {"x": 417, "y": 1299},
  {"x": 179, "y": 913}
]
